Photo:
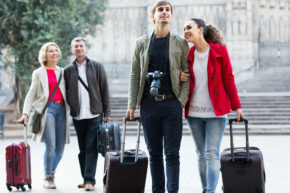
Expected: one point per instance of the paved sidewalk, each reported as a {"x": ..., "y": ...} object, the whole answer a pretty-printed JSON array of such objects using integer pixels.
[{"x": 276, "y": 150}]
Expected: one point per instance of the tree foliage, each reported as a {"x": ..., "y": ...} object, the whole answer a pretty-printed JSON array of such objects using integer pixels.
[{"x": 27, "y": 24}]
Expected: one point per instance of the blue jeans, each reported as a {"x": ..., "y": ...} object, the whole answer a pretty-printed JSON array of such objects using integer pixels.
[
  {"x": 207, "y": 134},
  {"x": 162, "y": 124},
  {"x": 54, "y": 137}
]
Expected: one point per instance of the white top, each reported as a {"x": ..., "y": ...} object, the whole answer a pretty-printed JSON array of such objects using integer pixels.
[
  {"x": 201, "y": 105},
  {"x": 84, "y": 98}
]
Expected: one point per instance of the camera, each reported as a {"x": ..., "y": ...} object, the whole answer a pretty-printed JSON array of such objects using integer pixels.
[{"x": 155, "y": 79}]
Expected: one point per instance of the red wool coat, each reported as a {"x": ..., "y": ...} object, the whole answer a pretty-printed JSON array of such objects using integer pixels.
[{"x": 221, "y": 86}]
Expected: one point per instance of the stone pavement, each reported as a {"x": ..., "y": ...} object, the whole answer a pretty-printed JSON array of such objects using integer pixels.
[{"x": 275, "y": 150}]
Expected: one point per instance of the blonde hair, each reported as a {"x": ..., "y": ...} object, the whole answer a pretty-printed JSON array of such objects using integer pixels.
[{"x": 42, "y": 57}]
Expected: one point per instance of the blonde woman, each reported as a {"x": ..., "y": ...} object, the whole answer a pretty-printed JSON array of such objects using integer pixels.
[{"x": 54, "y": 128}]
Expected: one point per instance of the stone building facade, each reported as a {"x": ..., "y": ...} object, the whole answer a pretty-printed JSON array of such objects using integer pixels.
[{"x": 256, "y": 33}]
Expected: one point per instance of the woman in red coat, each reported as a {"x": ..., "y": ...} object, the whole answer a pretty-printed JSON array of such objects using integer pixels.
[{"x": 212, "y": 95}]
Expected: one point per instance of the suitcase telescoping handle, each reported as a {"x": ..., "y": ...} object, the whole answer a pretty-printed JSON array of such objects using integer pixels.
[
  {"x": 232, "y": 140},
  {"x": 25, "y": 132},
  {"x": 124, "y": 136},
  {"x": 27, "y": 150}
]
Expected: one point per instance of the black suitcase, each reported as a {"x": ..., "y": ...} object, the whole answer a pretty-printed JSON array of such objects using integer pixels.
[
  {"x": 109, "y": 138},
  {"x": 242, "y": 167},
  {"x": 125, "y": 171}
]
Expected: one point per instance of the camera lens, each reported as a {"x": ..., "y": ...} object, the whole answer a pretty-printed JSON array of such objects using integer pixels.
[{"x": 154, "y": 91}]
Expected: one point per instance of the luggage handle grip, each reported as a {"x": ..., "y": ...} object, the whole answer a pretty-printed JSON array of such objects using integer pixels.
[
  {"x": 126, "y": 119},
  {"x": 236, "y": 120},
  {"x": 232, "y": 140}
]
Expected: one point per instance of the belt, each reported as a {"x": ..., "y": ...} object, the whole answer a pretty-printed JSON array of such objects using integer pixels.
[
  {"x": 160, "y": 97},
  {"x": 60, "y": 103}
]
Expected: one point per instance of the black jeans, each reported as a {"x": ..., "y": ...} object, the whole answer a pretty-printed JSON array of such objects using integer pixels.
[
  {"x": 87, "y": 130},
  {"x": 162, "y": 124}
]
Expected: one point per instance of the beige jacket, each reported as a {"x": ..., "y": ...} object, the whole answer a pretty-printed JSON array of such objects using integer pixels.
[
  {"x": 178, "y": 53},
  {"x": 37, "y": 97}
]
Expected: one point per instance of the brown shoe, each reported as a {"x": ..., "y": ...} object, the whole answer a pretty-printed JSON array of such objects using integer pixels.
[
  {"x": 81, "y": 186},
  {"x": 89, "y": 187}
]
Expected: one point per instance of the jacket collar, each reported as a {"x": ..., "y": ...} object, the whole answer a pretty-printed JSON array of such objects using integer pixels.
[
  {"x": 147, "y": 44},
  {"x": 75, "y": 61},
  {"x": 214, "y": 50}
]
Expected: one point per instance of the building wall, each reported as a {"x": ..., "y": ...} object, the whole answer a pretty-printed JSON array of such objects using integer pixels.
[{"x": 256, "y": 32}]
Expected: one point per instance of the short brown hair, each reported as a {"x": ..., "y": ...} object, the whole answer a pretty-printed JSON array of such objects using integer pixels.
[
  {"x": 79, "y": 39},
  {"x": 159, "y": 3}
]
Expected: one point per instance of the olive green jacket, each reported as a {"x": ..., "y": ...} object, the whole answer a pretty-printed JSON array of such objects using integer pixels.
[{"x": 178, "y": 53}]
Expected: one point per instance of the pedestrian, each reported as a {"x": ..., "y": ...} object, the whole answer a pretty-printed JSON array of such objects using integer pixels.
[
  {"x": 212, "y": 95},
  {"x": 54, "y": 130},
  {"x": 160, "y": 56},
  {"x": 88, "y": 98}
]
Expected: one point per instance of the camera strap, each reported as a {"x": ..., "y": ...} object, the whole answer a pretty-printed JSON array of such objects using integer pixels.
[{"x": 166, "y": 56}]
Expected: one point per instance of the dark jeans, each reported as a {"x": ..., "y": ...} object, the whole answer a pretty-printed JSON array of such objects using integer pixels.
[
  {"x": 162, "y": 124},
  {"x": 87, "y": 130}
]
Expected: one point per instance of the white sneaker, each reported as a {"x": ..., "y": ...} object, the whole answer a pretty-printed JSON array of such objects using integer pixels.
[{"x": 49, "y": 183}]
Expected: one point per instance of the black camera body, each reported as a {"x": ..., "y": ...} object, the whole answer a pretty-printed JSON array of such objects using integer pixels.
[{"x": 155, "y": 79}]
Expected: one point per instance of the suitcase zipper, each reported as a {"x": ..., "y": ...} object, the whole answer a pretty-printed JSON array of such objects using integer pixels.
[
  {"x": 12, "y": 166},
  {"x": 16, "y": 166}
]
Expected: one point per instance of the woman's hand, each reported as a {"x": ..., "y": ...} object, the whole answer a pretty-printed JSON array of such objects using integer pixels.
[
  {"x": 239, "y": 114},
  {"x": 184, "y": 76},
  {"x": 24, "y": 119}
]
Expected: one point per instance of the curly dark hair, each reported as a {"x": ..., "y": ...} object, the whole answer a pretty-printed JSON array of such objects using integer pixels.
[{"x": 210, "y": 32}]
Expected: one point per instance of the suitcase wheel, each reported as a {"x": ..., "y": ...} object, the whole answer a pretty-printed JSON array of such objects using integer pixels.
[
  {"x": 23, "y": 188},
  {"x": 29, "y": 186},
  {"x": 17, "y": 187},
  {"x": 9, "y": 187}
]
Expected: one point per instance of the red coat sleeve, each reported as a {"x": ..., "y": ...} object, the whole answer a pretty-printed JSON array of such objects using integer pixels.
[{"x": 229, "y": 80}]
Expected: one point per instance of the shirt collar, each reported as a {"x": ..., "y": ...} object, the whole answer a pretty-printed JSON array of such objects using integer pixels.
[{"x": 82, "y": 64}]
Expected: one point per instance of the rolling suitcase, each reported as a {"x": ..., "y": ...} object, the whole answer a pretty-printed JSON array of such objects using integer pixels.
[
  {"x": 18, "y": 168},
  {"x": 242, "y": 167},
  {"x": 125, "y": 171},
  {"x": 109, "y": 138}
]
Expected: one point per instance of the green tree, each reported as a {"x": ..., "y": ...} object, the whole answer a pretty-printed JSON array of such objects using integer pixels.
[{"x": 27, "y": 24}]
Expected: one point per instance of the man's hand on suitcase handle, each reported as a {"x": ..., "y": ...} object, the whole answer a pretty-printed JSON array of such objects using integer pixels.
[
  {"x": 129, "y": 114},
  {"x": 107, "y": 119}
]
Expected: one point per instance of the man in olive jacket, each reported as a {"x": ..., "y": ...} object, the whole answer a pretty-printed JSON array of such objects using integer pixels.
[
  {"x": 88, "y": 98},
  {"x": 161, "y": 112}
]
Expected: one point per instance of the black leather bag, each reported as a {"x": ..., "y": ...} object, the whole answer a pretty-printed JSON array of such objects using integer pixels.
[{"x": 34, "y": 123}]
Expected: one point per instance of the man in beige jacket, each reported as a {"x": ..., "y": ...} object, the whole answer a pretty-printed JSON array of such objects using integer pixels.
[{"x": 161, "y": 57}]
